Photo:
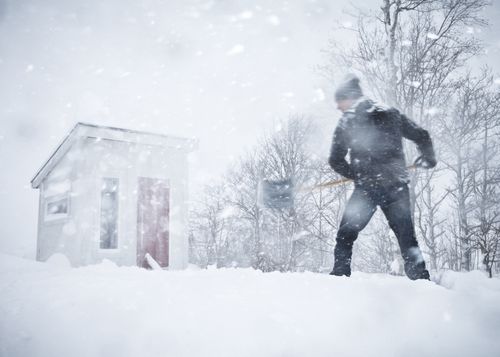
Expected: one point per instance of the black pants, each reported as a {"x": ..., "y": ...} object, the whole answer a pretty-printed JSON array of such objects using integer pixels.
[{"x": 395, "y": 203}]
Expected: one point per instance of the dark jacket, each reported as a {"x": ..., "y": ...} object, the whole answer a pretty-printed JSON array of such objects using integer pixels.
[{"x": 372, "y": 134}]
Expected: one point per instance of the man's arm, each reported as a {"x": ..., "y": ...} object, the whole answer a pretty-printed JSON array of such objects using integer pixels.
[
  {"x": 338, "y": 151},
  {"x": 419, "y": 136}
]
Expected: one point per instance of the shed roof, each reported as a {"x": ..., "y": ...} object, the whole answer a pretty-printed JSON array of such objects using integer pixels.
[{"x": 111, "y": 133}]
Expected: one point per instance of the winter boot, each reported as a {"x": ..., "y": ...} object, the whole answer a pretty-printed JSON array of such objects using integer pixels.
[{"x": 342, "y": 266}]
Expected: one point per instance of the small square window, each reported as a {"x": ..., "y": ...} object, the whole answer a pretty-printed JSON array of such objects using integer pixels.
[{"x": 56, "y": 207}]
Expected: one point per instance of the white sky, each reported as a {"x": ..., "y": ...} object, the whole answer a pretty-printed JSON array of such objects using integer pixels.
[{"x": 222, "y": 71}]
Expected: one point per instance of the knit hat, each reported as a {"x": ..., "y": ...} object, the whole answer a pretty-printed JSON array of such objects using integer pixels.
[{"x": 349, "y": 88}]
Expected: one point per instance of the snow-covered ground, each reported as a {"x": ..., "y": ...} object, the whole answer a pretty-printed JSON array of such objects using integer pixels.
[{"x": 103, "y": 310}]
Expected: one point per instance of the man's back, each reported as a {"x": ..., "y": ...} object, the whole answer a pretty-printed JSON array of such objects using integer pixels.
[{"x": 373, "y": 133}]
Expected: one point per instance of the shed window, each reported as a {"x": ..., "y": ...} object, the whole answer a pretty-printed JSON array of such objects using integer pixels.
[
  {"x": 109, "y": 213},
  {"x": 56, "y": 207}
]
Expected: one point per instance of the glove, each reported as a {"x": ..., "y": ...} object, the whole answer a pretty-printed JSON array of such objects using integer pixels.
[{"x": 425, "y": 162}]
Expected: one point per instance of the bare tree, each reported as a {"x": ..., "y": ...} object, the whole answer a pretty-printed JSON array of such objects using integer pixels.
[
  {"x": 487, "y": 178},
  {"x": 460, "y": 133},
  {"x": 274, "y": 238},
  {"x": 428, "y": 221},
  {"x": 242, "y": 183},
  {"x": 211, "y": 227},
  {"x": 284, "y": 155}
]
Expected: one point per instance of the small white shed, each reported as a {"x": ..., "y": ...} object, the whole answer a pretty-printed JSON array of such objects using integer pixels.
[{"x": 117, "y": 194}]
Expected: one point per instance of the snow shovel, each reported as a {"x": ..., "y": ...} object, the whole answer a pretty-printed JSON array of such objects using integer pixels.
[{"x": 279, "y": 194}]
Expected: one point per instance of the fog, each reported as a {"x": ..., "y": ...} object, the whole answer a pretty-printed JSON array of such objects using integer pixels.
[{"x": 220, "y": 71}]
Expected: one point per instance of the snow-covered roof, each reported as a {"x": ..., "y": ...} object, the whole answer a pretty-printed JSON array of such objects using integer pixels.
[{"x": 85, "y": 130}]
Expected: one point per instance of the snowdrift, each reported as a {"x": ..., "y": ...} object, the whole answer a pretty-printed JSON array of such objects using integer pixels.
[{"x": 50, "y": 309}]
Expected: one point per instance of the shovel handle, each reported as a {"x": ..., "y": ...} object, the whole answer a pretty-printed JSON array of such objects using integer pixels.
[{"x": 341, "y": 181}]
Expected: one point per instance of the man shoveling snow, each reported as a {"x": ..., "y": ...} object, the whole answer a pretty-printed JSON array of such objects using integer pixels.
[{"x": 373, "y": 135}]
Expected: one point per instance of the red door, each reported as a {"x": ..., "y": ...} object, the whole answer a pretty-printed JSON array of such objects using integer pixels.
[{"x": 153, "y": 211}]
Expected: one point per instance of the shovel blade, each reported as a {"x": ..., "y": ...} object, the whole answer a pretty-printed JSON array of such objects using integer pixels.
[{"x": 276, "y": 194}]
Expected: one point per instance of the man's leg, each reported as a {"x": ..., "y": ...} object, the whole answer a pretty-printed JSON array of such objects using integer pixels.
[
  {"x": 357, "y": 214},
  {"x": 396, "y": 207}
]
